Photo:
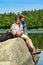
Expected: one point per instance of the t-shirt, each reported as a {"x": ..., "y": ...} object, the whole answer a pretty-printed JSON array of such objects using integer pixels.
[
  {"x": 24, "y": 24},
  {"x": 15, "y": 27}
]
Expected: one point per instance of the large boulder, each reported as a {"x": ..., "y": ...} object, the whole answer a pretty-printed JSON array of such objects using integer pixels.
[{"x": 15, "y": 52}]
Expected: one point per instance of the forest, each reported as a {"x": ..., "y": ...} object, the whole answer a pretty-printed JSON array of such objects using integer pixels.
[{"x": 33, "y": 19}]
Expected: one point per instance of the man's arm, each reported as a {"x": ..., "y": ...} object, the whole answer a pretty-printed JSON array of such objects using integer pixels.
[{"x": 25, "y": 29}]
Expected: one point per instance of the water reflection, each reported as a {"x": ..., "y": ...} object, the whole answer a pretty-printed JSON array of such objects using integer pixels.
[
  {"x": 40, "y": 62},
  {"x": 28, "y": 31},
  {"x": 35, "y": 31}
]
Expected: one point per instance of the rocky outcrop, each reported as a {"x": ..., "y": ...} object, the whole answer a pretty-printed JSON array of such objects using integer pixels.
[{"x": 15, "y": 52}]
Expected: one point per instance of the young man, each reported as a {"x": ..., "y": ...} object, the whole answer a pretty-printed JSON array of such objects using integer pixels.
[
  {"x": 22, "y": 17},
  {"x": 23, "y": 23}
]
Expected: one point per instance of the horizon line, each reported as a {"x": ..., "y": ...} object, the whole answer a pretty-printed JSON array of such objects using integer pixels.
[{"x": 18, "y": 11}]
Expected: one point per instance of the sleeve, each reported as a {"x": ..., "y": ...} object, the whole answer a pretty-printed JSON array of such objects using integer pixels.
[
  {"x": 13, "y": 27},
  {"x": 25, "y": 29},
  {"x": 21, "y": 28}
]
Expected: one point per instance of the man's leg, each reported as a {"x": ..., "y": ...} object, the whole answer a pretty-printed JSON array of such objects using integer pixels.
[
  {"x": 30, "y": 44},
  {"x": 28, "y": 41}
]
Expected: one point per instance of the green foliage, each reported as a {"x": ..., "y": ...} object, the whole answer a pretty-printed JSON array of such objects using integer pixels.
[
  {"x": 6, "y": 20},
  {"x": 34, "y": 19},
  {"x": 37, "y": 40}
]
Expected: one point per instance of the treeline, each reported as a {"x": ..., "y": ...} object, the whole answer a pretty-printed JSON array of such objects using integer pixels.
[
  {"x": 6, "y": 20},
  {"x": 33, "y": 18}
]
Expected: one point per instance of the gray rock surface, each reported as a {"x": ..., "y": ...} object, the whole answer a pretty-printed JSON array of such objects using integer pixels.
[{"x": 15, "y": 52}]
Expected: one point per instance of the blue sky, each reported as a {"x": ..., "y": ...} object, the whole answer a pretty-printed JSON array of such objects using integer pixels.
[{"x": 19, "y": 5}]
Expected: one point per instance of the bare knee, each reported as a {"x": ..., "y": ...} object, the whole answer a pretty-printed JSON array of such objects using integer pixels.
[{"x": 27, "y": 40}]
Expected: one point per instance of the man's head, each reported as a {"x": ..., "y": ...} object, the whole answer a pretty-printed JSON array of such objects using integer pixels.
[{"x": 21, "y": 17}]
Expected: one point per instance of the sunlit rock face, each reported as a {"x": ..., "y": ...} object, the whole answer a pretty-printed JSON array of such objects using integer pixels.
[{"x": 15, "y": 52}]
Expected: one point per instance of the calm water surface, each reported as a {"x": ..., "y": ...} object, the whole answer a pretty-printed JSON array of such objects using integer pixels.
[
  {"x": 40, "y": 62},
  {"x": 29, "y": 31},
  {"x": 35, "y": 31}
]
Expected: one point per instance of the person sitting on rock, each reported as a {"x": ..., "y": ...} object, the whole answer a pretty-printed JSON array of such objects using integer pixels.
[
  {"x": 17, "y": 29},
  {"x": 22, "y": 17}
]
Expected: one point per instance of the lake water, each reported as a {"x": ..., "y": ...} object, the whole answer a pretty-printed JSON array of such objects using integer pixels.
[
  {"x": 29, "y": 31},
  {"x": 35, "y": 31},
  {"x": 40, "y": 62}
]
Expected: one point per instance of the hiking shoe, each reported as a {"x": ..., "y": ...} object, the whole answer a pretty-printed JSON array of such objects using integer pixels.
[{"x": 36, "y": 52}]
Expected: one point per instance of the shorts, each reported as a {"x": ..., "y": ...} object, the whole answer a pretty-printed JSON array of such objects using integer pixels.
[{"x": 24, "y": 36}]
